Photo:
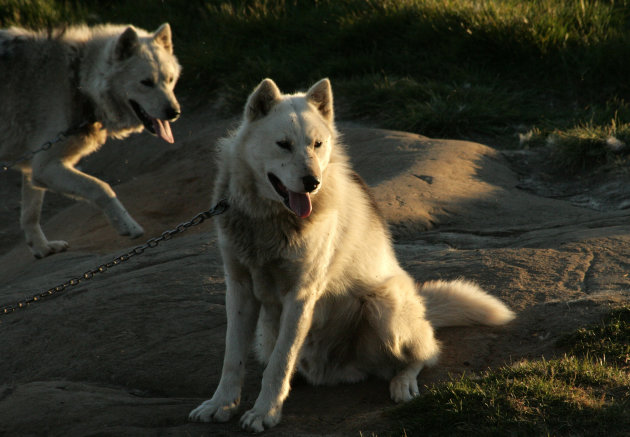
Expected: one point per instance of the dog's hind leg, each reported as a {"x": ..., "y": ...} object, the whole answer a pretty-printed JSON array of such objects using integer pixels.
[
  {"x": 67, "y": 180},
  {"x": 398, "y": 330},
  {"x": 32, "y": 199},
  {"x": 404, "y": 386}
]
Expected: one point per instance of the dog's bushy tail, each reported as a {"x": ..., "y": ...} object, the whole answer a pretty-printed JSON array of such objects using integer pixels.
[{"x": 461, "y": 303}]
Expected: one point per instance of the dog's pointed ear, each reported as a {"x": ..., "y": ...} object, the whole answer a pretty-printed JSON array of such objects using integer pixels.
[
  {"x": 264, "y": 97},
  {"x": 321, "y": 96},
  {"x": 126, "y": 44},
  {"x": 164, "y": 37}
]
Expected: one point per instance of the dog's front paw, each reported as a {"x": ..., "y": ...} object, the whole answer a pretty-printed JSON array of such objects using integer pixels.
[
  {"x": 257, "y": 421},
  {"x": 121, "y": 220},
  {"x": 127, "y": 226},
  {"x": 403, "y": 388},
  {"x": 214, "y": 411},
  {"x": 48, "y": 248},
  {"x": 134, "y": 230}
]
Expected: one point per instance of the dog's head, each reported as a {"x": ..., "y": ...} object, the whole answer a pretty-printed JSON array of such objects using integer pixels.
[
  {"x": 289, "y": 142},
  {"x": 144, "y": 79}
]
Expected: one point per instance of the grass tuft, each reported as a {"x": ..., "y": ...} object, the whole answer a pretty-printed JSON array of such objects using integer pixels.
[
  {"x": 585, "y": 393},
  {"x": 569, "y": 396},
  {"x": 39, "y": 14},
  {"x": 608, "y": 341}
]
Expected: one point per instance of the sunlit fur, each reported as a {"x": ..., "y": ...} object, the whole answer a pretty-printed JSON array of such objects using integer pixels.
[
  {"x": 325, "y": 295},
  {"x": 79, "y": 76}
]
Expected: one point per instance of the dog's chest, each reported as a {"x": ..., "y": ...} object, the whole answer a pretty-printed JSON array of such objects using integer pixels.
[
  {"x": 272, "y": 281},
  {"x": 256, "y": 242}
]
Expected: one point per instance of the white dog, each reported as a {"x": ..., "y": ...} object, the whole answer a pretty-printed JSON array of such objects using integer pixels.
[
  {"x": 312, "y": 278},
  {"x": 105, "y": 81}
]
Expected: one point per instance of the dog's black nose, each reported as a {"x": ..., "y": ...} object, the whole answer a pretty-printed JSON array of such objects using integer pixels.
[
  {"x": 171, "y": 113},
  {"x": 310, "y": 183}
]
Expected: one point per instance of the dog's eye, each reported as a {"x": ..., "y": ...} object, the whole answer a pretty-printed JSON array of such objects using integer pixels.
[
  {"x": 148, "y": 82},
  {"x": 317, "y": 144},
  {"x": 170, "y": 80},
  {"x": 284, "y": 145}
]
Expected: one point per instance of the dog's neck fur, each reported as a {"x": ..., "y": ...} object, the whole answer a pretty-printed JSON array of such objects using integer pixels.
[
  {"x": 88, "y": 87},
  {"x": 84, "y": 113}
]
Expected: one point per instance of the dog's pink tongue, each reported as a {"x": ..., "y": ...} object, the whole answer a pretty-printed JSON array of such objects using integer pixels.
[
  {"x": 300, "y": 204},
  {"x": 163, "y": 130}
]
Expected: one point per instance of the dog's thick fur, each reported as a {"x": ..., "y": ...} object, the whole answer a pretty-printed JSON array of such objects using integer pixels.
[
  {"x": 312, "y": 278},
  {"x": 110, "y": 80}
]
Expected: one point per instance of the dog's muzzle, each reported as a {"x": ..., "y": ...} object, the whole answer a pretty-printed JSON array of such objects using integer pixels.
[
  {"x": 299, "y": 203},
  {"x": 158, "y": 127}
]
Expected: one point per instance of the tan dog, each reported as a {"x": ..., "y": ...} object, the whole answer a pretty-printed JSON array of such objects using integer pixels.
[
  {"x": 109, "y": 81},
  {"x": 310, "y": 266}
]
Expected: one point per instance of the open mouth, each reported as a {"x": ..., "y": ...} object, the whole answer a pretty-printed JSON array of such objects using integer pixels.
[
  {"x": 160, "y": 128},
  {"x": 298, "y": 203}
]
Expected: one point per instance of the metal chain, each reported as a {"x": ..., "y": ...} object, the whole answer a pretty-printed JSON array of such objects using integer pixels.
[
  {"x": 219, "y": 208},
  {"x": 4, "y": 166}
]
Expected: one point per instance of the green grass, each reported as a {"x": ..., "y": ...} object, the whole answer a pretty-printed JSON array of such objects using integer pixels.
[
  {"x": 588, "y": 145},
  {"x": 608, "y": 341},
  {"x": 39, "y": 14},
  {"x": 587, "y": 392},
  {"x": 445, "y": 68},
  {"x": 568, "y": 396}
]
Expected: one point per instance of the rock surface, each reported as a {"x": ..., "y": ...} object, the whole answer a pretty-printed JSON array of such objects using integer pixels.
[{"x": 133, "y": 350}]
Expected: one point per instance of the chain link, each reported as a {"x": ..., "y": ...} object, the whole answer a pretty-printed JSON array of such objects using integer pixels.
[
  {"x": 219, "y": 208},
  {"x": 4, "y": 166}
]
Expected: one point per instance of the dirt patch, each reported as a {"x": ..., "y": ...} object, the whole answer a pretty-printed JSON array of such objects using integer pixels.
[{"x": 132, "y": 351}]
